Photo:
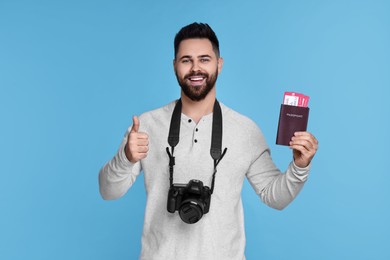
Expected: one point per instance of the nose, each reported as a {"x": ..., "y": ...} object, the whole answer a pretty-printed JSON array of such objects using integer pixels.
[{"x": 195, "y": 66}]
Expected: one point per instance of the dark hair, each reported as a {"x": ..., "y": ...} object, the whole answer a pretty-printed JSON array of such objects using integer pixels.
[{"x": 197, "y": 31}]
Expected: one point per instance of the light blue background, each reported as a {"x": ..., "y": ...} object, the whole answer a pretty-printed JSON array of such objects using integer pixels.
[{"x": 72, "y": 74}]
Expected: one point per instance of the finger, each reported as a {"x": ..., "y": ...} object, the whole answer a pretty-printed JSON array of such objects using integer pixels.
[
  {"x": 300, "y": 148},
  {"x": 304, "y": 147},
  {"x": 142, "y": 149},
  {"x": 139, "y": 156},
  {"x": 142, "y": 156},
  {"x": 142, "y": 135},
  {"x": 136, "y": 150},
  {"x": 300, "y": 141},
  {"x": 142, "y": 142},
  {"x": 306, "y": 135},
  {"x": 134, "y": 137},
  {"x": 135, "y": 127}
]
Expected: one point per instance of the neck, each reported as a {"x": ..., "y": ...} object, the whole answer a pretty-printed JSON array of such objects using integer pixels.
[{"x": 197, "y": 109}]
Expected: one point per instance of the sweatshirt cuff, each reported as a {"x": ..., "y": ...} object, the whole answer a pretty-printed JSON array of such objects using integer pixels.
[{"x": 299, "y": 172}]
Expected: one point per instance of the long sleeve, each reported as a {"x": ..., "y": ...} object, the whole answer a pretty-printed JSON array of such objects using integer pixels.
[
  {"x": 118, "y": 174},
  {"x": 283, "y": 189},
  {"x": 275, "y": 189}
]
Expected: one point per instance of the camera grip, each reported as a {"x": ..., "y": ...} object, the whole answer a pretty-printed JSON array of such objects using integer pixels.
[{"x": 171, "y": 203}]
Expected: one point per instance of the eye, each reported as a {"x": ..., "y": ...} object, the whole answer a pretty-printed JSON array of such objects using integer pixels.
[
  {"x": 185, "y": 61},
  {"x": 204, "y": 60}
]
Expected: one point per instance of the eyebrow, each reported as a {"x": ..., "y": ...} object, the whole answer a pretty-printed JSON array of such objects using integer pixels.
[{"x": 190, "y": 57}]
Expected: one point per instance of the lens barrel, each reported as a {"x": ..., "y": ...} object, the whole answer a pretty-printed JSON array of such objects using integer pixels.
[{"x": 191, "y": 211}]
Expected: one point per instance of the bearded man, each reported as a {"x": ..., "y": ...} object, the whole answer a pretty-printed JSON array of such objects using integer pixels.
[{"x": 194, "y": 211}]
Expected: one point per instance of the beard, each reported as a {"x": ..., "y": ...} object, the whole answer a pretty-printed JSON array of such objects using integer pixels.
[{"x": 197, "y": 93}]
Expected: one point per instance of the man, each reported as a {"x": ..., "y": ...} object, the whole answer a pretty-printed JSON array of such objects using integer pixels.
[{"x": 218, "y": 233}]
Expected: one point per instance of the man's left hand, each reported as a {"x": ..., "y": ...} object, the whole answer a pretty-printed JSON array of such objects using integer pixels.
[{"x": 304, "y": 146}]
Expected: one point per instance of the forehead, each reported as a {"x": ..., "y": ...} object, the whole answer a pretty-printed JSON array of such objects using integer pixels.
[{"x": 195, "y": 47}]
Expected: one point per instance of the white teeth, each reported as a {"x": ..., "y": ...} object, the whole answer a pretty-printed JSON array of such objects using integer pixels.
[{"x": 197, "y": 78}]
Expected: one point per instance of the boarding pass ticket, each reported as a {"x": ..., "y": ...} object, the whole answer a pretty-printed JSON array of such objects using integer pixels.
[{"x": 295, "y": 99}]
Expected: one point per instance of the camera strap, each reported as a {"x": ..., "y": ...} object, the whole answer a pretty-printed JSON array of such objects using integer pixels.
[{"x": 216, "y": 138}]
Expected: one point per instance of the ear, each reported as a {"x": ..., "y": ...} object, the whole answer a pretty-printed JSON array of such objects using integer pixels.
[{"x": 220, "y": 64}]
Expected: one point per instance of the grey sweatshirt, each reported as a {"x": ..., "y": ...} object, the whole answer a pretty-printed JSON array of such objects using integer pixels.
[{"x": 220, "y": 233}]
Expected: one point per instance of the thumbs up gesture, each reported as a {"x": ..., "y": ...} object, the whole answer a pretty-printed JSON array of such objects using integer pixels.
[{"x": 137, "y": 143}]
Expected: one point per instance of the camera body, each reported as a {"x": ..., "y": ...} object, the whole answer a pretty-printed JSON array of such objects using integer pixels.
[{"x": 192, "y": 200}]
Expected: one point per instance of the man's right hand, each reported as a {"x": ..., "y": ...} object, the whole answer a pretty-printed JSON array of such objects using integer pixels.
[{"x": 137, "y": 143}]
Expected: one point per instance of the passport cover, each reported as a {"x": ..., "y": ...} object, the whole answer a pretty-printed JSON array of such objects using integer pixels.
[{"x": 291, "y": 120}]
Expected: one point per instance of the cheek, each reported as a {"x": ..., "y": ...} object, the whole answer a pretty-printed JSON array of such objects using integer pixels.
[
  {"x": 178, "y": 73},
  {"x": 181, "y": 71}
]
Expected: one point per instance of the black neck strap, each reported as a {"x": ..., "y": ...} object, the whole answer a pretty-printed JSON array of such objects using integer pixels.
[{"x": 216, "y": 138}]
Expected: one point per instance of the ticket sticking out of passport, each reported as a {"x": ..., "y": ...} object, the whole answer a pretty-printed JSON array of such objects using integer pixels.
[
  {"x": 294, "y": 116},
  {"x": 295, "y": 99}
]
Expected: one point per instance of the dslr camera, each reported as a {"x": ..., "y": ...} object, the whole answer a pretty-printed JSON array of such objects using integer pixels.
[{"x": 192, "y": 200}]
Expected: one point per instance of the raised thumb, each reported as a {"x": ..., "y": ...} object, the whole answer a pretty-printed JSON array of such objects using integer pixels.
[{"x": 135, "y": 127}]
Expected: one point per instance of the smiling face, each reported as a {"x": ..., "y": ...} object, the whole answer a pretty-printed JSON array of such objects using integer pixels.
[{"x": 197, "y": 67}]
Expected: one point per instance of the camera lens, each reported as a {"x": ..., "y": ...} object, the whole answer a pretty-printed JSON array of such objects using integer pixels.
[{"x": 191, "y": 211}]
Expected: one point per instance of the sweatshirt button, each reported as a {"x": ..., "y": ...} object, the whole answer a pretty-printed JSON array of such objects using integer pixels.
[
  {"x": 189, "y": 120},
  {"x": 195, "y": 140}
]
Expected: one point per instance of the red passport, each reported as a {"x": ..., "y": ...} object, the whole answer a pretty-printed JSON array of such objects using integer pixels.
[{"x": 291, "y": 120}]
